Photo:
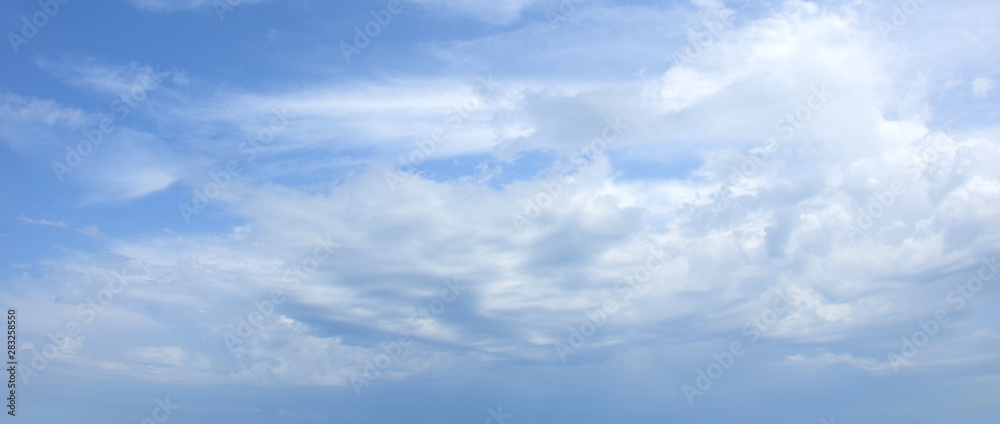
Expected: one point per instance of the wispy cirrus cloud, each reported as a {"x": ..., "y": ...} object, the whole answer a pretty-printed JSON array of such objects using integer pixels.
[
  {"x": 179, "y": 5},
  {"x": 59, "y": 223}
]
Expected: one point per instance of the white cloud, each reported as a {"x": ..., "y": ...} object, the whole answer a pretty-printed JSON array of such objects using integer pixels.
[
  {"x": 729, "y": 250},
  {"x": 91, "y": 231},
  {"x": 982, "y": 86},
  {"x": 114, "y": 80},
  {"x": 128, "y": 165},
  {"x": 32, "y": 126},
  {"x": 60, "y": 223},
  {"x": 682, "y": 87},
  {"x": 176, "y": 5},
  {"x": 18, "y": 108},
  {"x": 493, "y": 12}
]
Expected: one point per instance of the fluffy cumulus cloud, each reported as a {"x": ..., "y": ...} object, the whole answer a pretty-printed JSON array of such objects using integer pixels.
[{"x": 794, "y": 186}]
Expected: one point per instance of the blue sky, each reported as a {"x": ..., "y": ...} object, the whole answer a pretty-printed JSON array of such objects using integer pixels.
[{"x": 528, "y": 211}]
